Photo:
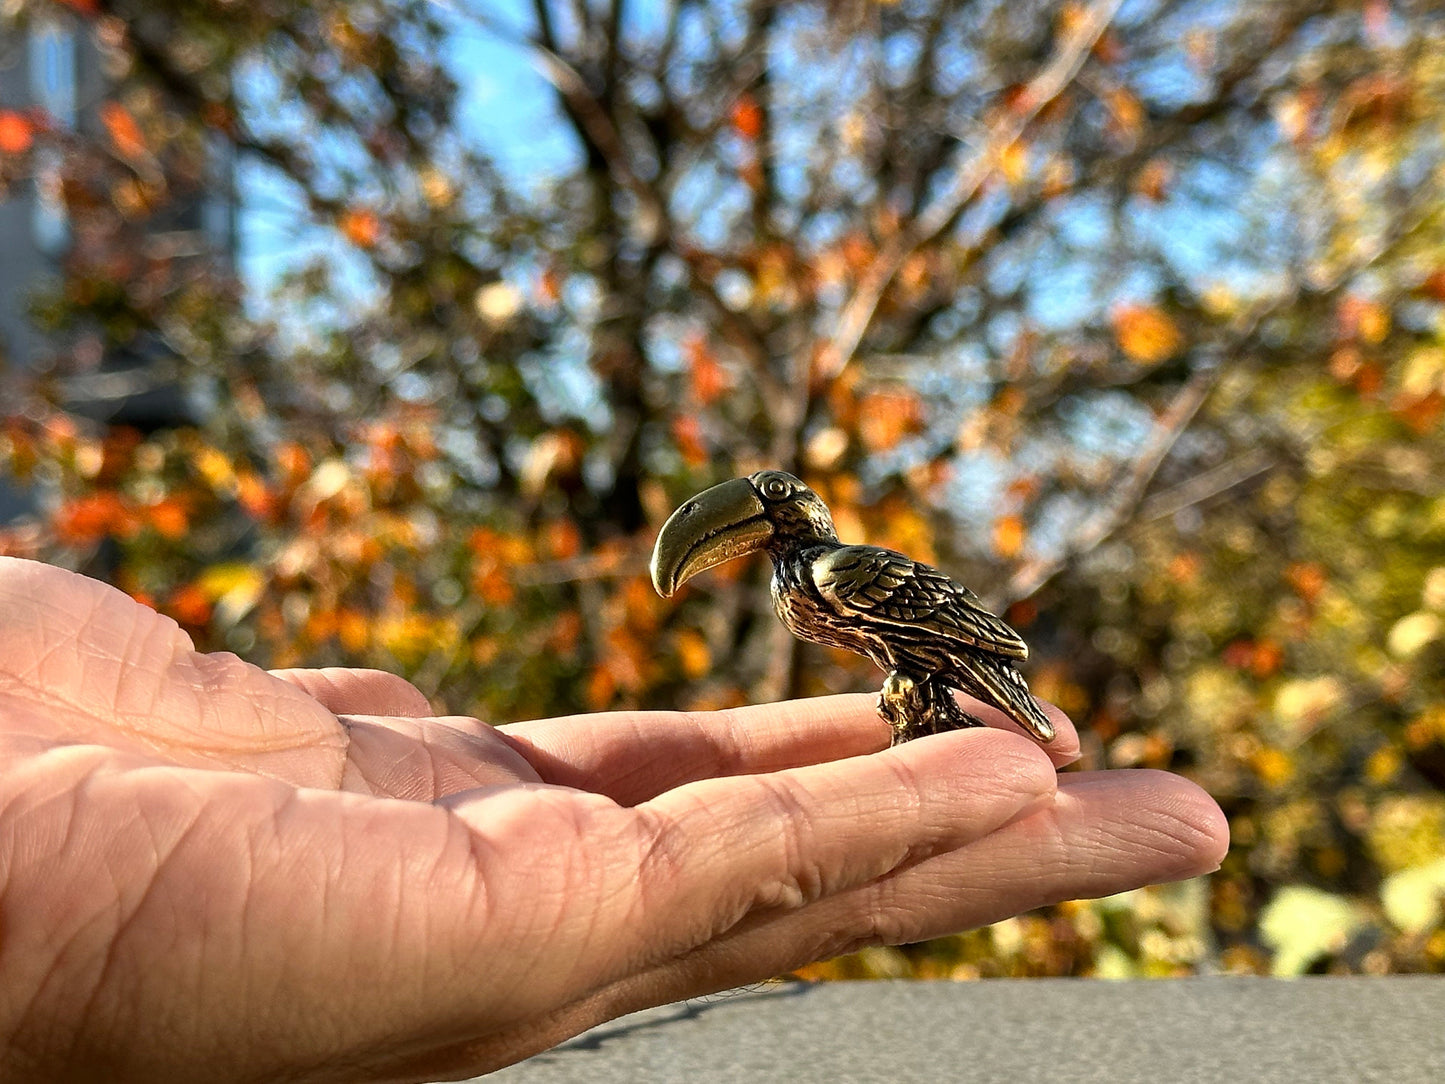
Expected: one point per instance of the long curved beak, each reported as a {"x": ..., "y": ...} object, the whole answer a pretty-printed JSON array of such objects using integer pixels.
[{"x": 717, "y": 525}]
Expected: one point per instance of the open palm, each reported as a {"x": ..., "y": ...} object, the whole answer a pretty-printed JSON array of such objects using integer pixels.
[{"x": 211, "y": 870}]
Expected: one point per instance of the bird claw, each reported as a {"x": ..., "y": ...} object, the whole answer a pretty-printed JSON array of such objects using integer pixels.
[
  {"x": 900, "y": 704},
  {"x": 914, "y": 708}
]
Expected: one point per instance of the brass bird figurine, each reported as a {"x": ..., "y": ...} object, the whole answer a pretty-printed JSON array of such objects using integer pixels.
[{"x": 928, "y": 633}]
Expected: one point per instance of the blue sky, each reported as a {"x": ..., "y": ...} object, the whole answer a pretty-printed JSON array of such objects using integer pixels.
[{"x": 506, "y": 106}]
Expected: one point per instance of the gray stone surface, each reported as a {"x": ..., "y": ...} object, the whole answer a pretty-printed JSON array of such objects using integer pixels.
[{"x": 1251, "y": 1031}]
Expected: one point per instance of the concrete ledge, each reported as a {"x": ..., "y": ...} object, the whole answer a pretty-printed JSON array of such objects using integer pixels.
[{"x": 1250, "y": 1031}]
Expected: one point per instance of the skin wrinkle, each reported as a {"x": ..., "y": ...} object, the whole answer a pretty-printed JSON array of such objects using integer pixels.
[
  {"x": 158, "y": 638},
  {"x": 118, "y": 914},
  {"x": 664, "y": 860},
  {"x": 543, "y": 918},
  {"x": 720, "y": 758},
  {"x": 550, "y": 743},
  {"x": 168, "y": 744},
  {"x": 37, "y": 993},
  {"x": 258, "y": 833},
  {"x": 790, "y": 882},
  {"x": 173, "y": 865}
]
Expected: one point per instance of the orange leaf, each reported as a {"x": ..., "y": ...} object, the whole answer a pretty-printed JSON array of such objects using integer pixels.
[
  {"x": 549, "y": 286},
  {"x": 491, "y": 585},
  {"x": 1307, "y": 578},
  {"x": 125, "y": 133},
  {"x": 747, "y": 117},
  {"x": 1024, "y": 488},
  {"x": 1239, "y": 654},
  {"x": 565, "y": 634},
  {"x": 600, "y": 688},
  {"x": 255, "y": 496},
  {"x": 1152, "y": 182},
  {"x": 707, "y": 379},
  {"x": 1268, "y": 657},
  {"x": 353, "y": 629},
  {"x": 1184, "y": 568},
  {"x": 1368, "y": 321},
  {"x": 294, "y": 461},
  {"x": 561, "y": 539},
  {"x": 693, "y": 654},
  {"x": 1023, "y": 613},
  {"x": 90, "y": 518},
  {"x": 1126, "y": 114},
  {"x": 885, "y": 417},
  {"x": 1421, "y": 414},
  {"x": 17, "y": 133},
  {"x": 361, "y": 227},
  {"x": 1369, "y": 380},
  {"x": 189, "y": 605},
  {"x": 1146, "y": 334},
  {"x": 169, "y": 518},
  {"x": 1009, "y": 535},
  {"x": 687, "y": 432}
]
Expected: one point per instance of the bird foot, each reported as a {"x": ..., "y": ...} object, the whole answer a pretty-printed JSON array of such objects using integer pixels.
[
  {"x": 914, "y": 708},
  {"x": 900, "y": 702}
]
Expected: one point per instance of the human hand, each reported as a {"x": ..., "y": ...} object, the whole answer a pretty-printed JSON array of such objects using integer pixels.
[{"x": 207, "y": 870}]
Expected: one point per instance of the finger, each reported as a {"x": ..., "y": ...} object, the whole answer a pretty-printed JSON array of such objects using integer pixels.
[
  {"x": 632, "y": 756},
  {"x": 345, "y": 691},
  {"x": 720, "y": 850},
  {"x": 427, "y": 759},
  {"x": 1105, "y": 833},
  {"x": 700, "y": 863},
  {"x": 680, "y": 871}
]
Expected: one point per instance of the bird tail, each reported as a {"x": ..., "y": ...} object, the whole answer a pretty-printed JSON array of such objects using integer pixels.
[{"x": 996, "y": 681}]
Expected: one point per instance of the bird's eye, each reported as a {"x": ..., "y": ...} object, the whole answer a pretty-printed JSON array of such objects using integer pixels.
[{"x": 776, "y": 489}]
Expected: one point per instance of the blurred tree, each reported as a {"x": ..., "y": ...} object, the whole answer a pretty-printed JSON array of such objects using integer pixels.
[{"x": 1130, "y": 315}]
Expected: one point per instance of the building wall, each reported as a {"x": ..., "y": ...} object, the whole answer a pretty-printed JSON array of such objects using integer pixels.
[
  {"x": 53, "y": 66},
  {"x": 36, "y": 68}
]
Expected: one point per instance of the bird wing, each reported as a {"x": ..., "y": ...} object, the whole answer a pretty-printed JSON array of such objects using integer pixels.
[{"x": 883, "y": 587}]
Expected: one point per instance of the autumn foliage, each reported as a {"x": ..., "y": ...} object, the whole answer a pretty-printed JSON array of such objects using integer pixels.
[{"x": 1130, "y": 317}]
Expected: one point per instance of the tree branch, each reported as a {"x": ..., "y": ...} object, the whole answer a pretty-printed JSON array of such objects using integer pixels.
[
  {"x": 1129, "y": 485},
  {"x": 1044, "y": 88}
]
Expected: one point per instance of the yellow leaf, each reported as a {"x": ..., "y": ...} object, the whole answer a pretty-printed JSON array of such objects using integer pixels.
[
  {"x": 1412, "y": 632},
  {"x": 1126, "y": 114},
  {"x": 1303, "y": 703},
  {"x": 214, "y": 466},
  {"x": 887, "y": 416},
  {"x": 1411, "y": 898},
  {"x": 693, "y": 654},
  {"x": 1273, "y": 766},
  {"x": 498, "y": 302},
  {"x": 1302, "y": 924},
  {"x": 1013, "y": 162},
  {"x": 1146, "y": 334},
  {"x": 1008, "y": 536},
  {"x": 233, "y": 588}
]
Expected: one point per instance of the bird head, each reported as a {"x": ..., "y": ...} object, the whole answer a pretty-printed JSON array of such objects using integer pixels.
[{"x": 767, "y": 510}]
